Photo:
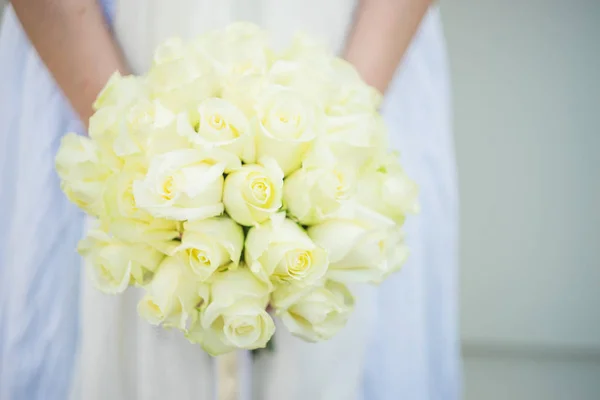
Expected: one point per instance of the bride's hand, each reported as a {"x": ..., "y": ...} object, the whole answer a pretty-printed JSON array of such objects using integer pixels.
[
  {"x": 381, "y": 33},
  {"x": 76, "y": 45}
]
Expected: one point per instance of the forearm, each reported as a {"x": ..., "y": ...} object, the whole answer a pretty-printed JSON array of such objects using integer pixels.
[
  {"x": 380, "y": 35},
  {"x": 76, "y": 45}
]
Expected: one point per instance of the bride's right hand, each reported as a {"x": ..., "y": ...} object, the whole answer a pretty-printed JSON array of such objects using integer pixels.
[{"x": 74, "y": 41}]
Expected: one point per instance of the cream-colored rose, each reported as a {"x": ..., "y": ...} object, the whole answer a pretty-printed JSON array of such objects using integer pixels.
[
  {"x": 118, "y": 198},
  {"x": 138, "y": 129},
  {"x": 306, "y": 66},
  {"x": 288, "y": 123},
  {"x": 104, "y": 125},
  {"x": 236, "y": 317},
  {"x": 159, "y": 233},
  {"x": 156, "y": 126},
  {"x": 126, "y": 221},
  {"x": 387, "y": 189},
  {"x": 253, "y": 193},
  {"x": 180, "y": 77},
  {"x": 239, "y": 49},
  {"x": 82, "y": 172},
  {"x": 243, "y": 92},
  {"x": 355, "y": 139},
  {"x": 353, "y": 95},
  {"x": 185, "y": 184},
  {"x": 134, "y": 133},
  {"x": 141, "y": 123},
  {"x": 173, "y": 295},
  {"x": 120, "y": 91},
  {"x": 313, "y": 313},
  {"x": 363, "y": 245},
  {"x": 312, "y": 194},
  {"x": 210, "y": 244},
  {"x": 311, "y": 80},
  {"x": 114, "y": 264},
  {"x": 307, "y": 50},
  {"x": 279, "y": 250},
  {"x": 218, "y": 123}
]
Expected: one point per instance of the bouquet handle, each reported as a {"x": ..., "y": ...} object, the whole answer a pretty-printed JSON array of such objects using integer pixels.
[{"x": 227, "y": 382}]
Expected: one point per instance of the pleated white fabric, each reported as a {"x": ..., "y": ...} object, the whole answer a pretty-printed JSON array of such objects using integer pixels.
[
  {"x": 39, "y": 228},
  {"x": 401, "y": 341}
]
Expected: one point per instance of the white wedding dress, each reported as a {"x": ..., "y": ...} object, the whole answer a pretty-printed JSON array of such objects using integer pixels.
[{"x": 401, "y": 341}]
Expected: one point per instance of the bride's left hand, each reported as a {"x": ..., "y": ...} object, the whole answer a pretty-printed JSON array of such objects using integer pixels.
[{"x": 380, "y": 35}]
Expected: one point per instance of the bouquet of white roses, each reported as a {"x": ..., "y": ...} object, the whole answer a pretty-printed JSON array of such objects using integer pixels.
[{"x": 232, "y": 180}]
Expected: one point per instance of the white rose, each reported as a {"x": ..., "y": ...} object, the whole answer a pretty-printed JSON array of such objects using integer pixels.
[
  {"x": 363, "y": 245},
  {"x": 155, "y": 125},
  {"x": 239, "y": 49},
  {"x": 134, "y": 132},
  {"x": 236, "y": 317},
  {"x": 184, "y": 184},
  {"x": 311, "y": 194},
  {"x": 288, "y": 124},
  {"x": 142, "y": 121},
  {"x": 129, "y": 131},
  {"x": 180, "y": 77},
  {"x": 120, "y": 91},
  {"x": 210, "y": 244},
  {"x": 307, "y": 50},
  {"x": 243, "y": 92},
  {"x": 218, "y": 123},
  {"x": 353, "y": 95},
  {"x": 253, "y": 193},
  {"x": 308, "y": 77},
  {"x": 104, "y": 126},
  {"x": 113, "y": 264},
  {"x": 82, "y": 172},
  {"x": 387, "y": 189},
  {"x": 104, "y": 123},
  {"x": 279, "y": 251},
  {"x": 355, "y": 139},
  {"x": 172, "y": 296},
  {"x": 126, "y": 221},
  {"x": 159, "y": 233},
  {"x": 313, "y": 313},
  {"x": 119, "y": 201},
  {"x": 306, "y": 66}
]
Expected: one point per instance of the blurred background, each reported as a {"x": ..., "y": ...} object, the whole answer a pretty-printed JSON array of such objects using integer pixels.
[{"x": 526, "y": 82}]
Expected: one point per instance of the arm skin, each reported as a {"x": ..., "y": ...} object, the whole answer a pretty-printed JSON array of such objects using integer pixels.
[
  {"x": 77, "y": 47},
  {"x": 380, "y": 35},
  {"x": 73, "y": 40}
]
